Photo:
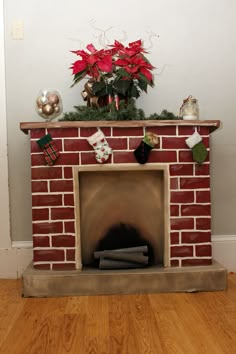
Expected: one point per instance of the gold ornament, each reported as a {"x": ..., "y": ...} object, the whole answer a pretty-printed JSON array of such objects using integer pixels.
[
  {"x": 56, "y": 109},
  {"x": 53, "y": 98},
  {"x": 48, "y": 110}
]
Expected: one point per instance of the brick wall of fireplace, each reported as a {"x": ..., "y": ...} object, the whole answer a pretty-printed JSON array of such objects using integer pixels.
[{"x": 53, "y": 208}]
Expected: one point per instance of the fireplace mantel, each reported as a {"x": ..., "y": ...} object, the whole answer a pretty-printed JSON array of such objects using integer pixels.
[{"x": 211, "y": 124}]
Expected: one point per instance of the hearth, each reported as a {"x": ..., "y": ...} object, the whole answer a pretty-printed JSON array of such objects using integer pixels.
[{"x": 77, "y": 203}]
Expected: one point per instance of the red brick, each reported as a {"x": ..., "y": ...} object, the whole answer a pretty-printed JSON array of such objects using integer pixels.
[
  {"x": 182, "y": 197},
  {"x": 181, "y": 251},
  {"x": 38, "y": 160},
  {"x": 203, "y": 251},
  {"x": 61, "y": 186},
  {"x": 206, "y": 141},
  {"x": 185, "y": 130},
  {"x": 41, "y": 241},
  {"x": 68, "y": 172},
  {"x": 181, "y": 169},
  {"x": 70, "y": 255},
  {"x": 117, "y": 143},
  {"x": 203, "y": 196},
  {"x": 124, "y": 157},
  {"x": 196, "y": 209},
  {"x": 186, "y": 156},
  {"x": 174, "y": 263},
  {"x": 203, "y": 169},
  {"x": 69, "y": 226},
  {"x": 182, "y": 223},
  {"x": 203, "y": 223},
  {"x": 68, "y": 159},
  {"x": 62, "y": 213},
  {"x": 35, "y": 147},
  {"x": 47, "y": 200},
  {"x": 196, "y": 237},
  {"x": 77, "y": 145},
  {"x": 42, "y": 266},
  {"x": 188, "y": 131},
  {"x": 40, "y": 214},
  {"x": 196, "y": 262},
  {"x": 63, "y": 241},
  {"x": 39, "y": 186},
  {"x": 46, "y": 172},
  {"x": 174, "y": 183},
  {"x": 86, "y": 132},
  {"x": 63, "y": 132},
  {"x": 63, "y": 266},
  {"x": 135, "y": 142},
  {"x": 165, "y": 130},
  {"x": 130, "y": 131},
  {"x": 174, "y": 238},
  {"x": 173, "y": 143},
  {"x": 47, "y": 227},
  {"x": 174, "y": 210},
  {"x": 37, "y": 133},
  {"x": 69, "y": 199},
  {"x": 49, "y": 255},
  {"x": 194, "y": 182},
  {"x": 162, "y": 156}
]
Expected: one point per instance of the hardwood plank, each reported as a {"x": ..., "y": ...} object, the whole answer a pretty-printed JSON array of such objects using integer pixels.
[
  {"x": 122, "y": 337},
  {"x": 97, "y": 325},
  {"x": 145, "y": 327}
]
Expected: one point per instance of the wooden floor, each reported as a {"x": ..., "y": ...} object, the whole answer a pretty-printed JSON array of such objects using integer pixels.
[{"x": 129, "y": 324}]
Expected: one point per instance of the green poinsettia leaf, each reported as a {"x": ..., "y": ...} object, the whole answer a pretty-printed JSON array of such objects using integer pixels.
[
  {"x": 99, "y": 87},
  {"x": 134, "y": 92},
  {"x": 122, "y": 86},
  {"x": 78, "y": 77},
  {"x": 143, "y": 85},
  {"x": 142, "y": 78},
  {"x": 123, "y": 73}
]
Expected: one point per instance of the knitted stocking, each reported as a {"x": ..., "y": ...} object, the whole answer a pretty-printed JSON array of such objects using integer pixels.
[
  {"x": 199, "y": 150},
  {"x": 50, "y": 150},
  {"x": 100, "y": 145},
  {"x": 146, "y": 145}
]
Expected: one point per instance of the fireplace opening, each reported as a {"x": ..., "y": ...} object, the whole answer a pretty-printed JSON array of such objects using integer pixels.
[{"x": 119, "y": 207}]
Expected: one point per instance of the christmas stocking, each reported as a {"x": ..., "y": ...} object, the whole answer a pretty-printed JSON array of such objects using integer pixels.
[
  {"x": 50, "y": 150},
  {"x": 147, "y": 144},
  {"x": 199, "y": 150},
  {"x": 100, "y": 145}
]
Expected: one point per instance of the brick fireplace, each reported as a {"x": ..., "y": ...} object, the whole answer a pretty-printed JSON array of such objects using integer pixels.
[{"x": 56, "y": 228}]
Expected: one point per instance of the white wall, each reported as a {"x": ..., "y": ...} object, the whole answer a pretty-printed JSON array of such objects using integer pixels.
[{"x": 196, "y": 48}]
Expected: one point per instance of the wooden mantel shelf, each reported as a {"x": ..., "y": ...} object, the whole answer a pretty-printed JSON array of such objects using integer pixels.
[{"x": 212, "y": 124}]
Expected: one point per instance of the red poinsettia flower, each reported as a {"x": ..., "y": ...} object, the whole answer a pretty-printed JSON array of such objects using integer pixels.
[{"x": 117, "y": 69}]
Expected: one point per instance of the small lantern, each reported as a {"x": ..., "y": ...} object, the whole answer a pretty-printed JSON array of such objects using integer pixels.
[{"x": 189, "y": 109}]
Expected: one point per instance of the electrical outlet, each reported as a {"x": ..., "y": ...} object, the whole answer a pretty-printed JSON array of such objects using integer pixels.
[{"x": 18, "y": 30}]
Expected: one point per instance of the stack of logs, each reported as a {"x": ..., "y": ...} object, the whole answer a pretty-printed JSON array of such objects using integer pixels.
[{"x": 123, "y": 258}]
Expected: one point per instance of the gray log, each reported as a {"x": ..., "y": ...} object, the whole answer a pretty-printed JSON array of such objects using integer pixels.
[
  {"x": 144, "y": 249},
  {"x": 129, "y": 257},
  {"x": 113, "y": 264}
]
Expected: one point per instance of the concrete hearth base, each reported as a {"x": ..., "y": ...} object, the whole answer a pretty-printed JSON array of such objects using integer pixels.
[{"x": 39, "y": 283}]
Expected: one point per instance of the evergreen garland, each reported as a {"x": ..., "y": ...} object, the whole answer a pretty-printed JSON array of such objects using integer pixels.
[{"x": 126, "y": 111}]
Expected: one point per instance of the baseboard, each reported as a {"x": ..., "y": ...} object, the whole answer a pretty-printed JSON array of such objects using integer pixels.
[
  {"x": 14, "y": 260},
  {"x": 224, "y": 251}
]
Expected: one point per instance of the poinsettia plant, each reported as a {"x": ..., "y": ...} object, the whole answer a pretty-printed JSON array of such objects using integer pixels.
[{"x": 115, "y": 70}]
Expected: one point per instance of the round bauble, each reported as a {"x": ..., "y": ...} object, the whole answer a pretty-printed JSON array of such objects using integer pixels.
[
  {"x": 48, "y": 110},
  {"x": 56, "y": 109},
  {"x": 53, "y": 98}
]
